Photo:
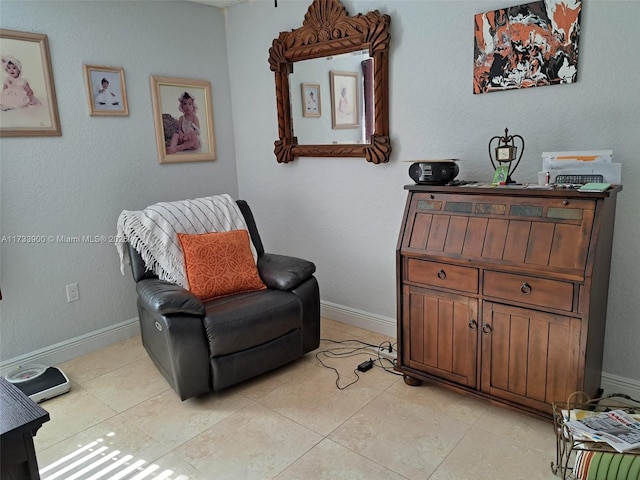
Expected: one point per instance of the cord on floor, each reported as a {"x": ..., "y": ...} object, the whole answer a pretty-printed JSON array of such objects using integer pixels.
[{"x": 351, "y": 351}]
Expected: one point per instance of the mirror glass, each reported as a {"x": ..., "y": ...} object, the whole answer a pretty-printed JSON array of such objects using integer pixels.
[{"x": 315, "y": 101}]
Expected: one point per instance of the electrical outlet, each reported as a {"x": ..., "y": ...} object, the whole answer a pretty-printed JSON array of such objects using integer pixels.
[{"x": 73, "y": 295}]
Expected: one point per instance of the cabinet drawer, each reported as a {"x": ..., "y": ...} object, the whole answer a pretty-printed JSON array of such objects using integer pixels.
[
  {"x": 436, "y": 274},
  {"x": 531, "y": 290}
]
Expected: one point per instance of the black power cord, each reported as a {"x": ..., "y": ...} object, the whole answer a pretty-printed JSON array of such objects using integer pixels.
[{"x": 350, "y": 350}]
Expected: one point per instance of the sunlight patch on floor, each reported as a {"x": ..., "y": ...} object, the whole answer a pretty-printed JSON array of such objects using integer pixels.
[{"x": 95, "y": 461}]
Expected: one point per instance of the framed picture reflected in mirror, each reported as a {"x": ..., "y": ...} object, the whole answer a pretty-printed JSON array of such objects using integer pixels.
[{"x": 344, "y": 100}]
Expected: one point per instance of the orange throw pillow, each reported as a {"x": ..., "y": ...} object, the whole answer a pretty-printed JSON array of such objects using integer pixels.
[{"x": 219, "y": 263}]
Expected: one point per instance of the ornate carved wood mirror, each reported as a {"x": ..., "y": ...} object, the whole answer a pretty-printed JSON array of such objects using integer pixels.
[{"x": 329, "y": 51}]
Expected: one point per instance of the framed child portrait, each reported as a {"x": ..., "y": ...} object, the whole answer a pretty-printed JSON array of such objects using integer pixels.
[
  {"x": 106, "y": 90},
  {"x": 310, "y": 100},
  {"x": 28, "y": 105},
  {"x": 183, "y": 117},
  {"x": 344, "y": 100}
]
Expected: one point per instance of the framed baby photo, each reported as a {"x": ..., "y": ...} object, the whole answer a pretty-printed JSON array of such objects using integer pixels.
[
  {"x": 183, "y": 117},
  {"x": 311, "y": 100},
  {"x": 28, "y": 105},
  {"x": 344, "y": 100},
  {"x": 106, "y": 91}
]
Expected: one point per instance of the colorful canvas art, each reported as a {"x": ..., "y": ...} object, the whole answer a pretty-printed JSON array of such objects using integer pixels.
[{"x": 528, "y": 45}]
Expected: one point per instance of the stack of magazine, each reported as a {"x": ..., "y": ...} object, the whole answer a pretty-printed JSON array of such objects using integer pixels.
[{"x": 617, "y": 428}]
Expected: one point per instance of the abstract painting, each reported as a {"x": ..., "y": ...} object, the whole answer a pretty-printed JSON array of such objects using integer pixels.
[{"x": 528, "y": 45}]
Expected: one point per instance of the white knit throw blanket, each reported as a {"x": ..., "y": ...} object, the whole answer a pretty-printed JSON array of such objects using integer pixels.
[{"x": 153, "y": 231}]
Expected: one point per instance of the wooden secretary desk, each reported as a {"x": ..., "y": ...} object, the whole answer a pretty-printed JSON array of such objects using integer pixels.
[{"x": 502, "y": 292}]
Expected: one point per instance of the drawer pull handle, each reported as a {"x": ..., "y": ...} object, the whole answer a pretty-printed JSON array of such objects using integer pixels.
[
  {"x": 442, "y": 274},
  {"x": 565, "y": 202},
  {"x": 473, "y": 325},
  {"x": 431, "y": 197},
  {"x": 525, "y": 288},
  {"x": 158, "y": 326},
  {"x": 486, "y": 328}
]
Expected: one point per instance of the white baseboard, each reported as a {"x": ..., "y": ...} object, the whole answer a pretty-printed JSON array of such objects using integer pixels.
[
  {"x": 75, "y": 347},
  {"x": 359, "y": 318},
  {"x": 70, "y": 349},
  {"x": 615, "y": 384},
  {"x": 387, "y": 326}
]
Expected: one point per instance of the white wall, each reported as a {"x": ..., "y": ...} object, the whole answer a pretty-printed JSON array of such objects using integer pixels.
[
  {"x": 77, "y": 184},
  {"x": 344, "y": 214}
]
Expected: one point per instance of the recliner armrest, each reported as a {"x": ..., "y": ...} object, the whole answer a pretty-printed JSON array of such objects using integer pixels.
[
  {"x": 167, "y": 298},
  {"x": 281, "y": 272}
]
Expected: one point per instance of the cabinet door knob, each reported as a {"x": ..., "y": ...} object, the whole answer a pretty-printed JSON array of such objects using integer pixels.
[
  {"x": 565, "y": 202},
  {"x": 473, "y": 325},
  {"x": 442, "y": 274},
  {"x": 525, "y": 288},
  {"x": 486, "y": 328}
]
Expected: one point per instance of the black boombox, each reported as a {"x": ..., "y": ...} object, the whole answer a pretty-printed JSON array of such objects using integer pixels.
[{"x": 435, "y": 172}]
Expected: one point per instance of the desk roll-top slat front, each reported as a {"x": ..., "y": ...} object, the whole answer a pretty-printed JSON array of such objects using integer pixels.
[
  {"x": 502, "y": 291},
  {"x": 535, "y": 235}
]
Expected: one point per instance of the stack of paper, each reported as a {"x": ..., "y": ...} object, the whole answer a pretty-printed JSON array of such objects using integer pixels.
[
  {"x": 617, "y": 428},
  {"x": 597, "y": 162}
]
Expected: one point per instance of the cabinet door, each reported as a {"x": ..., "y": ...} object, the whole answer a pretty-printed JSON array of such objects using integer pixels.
[
  {"x": 529, "y": 357},
  {"x": 440, "y": 334}
]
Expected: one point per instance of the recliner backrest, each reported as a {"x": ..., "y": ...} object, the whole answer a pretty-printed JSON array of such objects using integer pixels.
[
  {"x": 251, "y": 226},
  {"x": 139, "y": 269}
]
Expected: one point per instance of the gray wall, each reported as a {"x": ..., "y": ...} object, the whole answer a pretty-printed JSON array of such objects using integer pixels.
[
  {"x": 345, "y": 213},
  {"x": 78, "y": 184}
]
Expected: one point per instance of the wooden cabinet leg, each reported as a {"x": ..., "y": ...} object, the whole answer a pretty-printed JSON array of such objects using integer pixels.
[{"x": 414, "y": 382}]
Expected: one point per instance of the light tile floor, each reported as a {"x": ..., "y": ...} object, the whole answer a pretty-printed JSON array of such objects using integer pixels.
[{"x": 122, "y": 421}]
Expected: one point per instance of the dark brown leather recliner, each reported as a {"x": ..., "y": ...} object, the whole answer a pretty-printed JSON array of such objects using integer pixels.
[{"x": 208, "y": 346}]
